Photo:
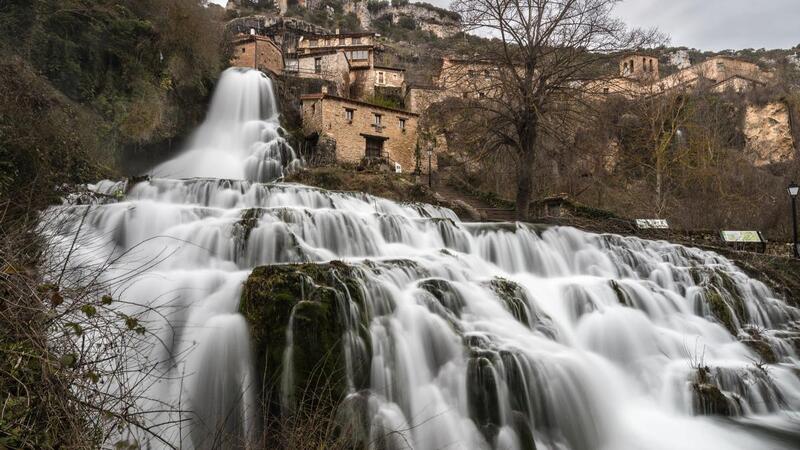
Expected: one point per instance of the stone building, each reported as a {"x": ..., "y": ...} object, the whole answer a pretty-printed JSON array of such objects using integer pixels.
[
  {"x": 467, "y": 78},
  {"x": 639, "y": 75},
  {"x": 643, "y": 68},
  {"x": 358, "y": 47},
  {"x": 391, "y": 77},
  {"x": 361, "y": 130},
  {"x": 257, "y": 52},
  {"x": 331, "y": 65}
]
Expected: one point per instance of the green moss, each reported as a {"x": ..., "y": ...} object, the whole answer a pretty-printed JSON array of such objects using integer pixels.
[
  {"x": 319, "y": 296},
  {"x": 720, "y": 309},
  {"x": 513, "y": 297}
]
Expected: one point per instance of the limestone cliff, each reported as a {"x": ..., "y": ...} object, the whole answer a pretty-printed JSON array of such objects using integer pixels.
[
  {"x": 768, "y": 134},
  {"x": 440, "y": 22}
]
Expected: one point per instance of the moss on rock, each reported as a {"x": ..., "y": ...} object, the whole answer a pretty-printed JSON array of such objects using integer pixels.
[
  {"x": 513, "y": 297},
  {"x": 319, "y": 296}
]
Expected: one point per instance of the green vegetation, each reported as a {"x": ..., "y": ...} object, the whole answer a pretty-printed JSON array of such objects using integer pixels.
[
  {"x": 84, "y": 83},
  {"x": 316, "y": 297},
  {"x": 322, "y": 16},
  {"x": 93, "y": 80}
]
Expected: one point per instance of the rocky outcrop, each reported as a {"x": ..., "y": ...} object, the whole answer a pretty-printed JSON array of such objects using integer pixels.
[
  {"x": 298, "y": 315},
  {"x": 440, "y": 22},
  {"x": 768, "y": 134}
]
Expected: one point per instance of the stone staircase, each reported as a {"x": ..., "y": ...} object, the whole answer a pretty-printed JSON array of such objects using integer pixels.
[{"x": 487, "y": 212}]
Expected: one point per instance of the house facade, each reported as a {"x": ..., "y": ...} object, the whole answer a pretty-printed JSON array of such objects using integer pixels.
[
  {"x": 362, "y": 130},
  {"x": 257, "y": 52}
]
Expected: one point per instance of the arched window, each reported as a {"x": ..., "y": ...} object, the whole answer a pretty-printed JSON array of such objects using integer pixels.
[
  {"x": 651, "y": 65},
  {"x": 644, "y": 64}
]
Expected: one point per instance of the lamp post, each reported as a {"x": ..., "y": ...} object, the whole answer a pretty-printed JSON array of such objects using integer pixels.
[
  {"x": 793, "y": 190},
  {"x": 430, "y": 172}
]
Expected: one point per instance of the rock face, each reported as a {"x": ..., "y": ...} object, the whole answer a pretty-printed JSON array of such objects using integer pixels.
[
  {"x": 680, "y": 59},
  {"x": 440, "y": 22},
  {"x": 768, "y": 134},
  {"x": 298, "y": 315}
]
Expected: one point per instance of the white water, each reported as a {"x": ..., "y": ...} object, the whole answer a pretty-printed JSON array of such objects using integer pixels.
[{"x": 595, "y": 365}]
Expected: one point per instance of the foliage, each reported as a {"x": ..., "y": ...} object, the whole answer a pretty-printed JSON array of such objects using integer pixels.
[
  {"x": 345, "y": 22},
  {"x": 376, "y": 6},
  {"x": 386, "y": 102},
  {"x": 140, "y": 65}
]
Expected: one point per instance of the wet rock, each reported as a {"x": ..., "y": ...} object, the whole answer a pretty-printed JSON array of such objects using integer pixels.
[
  {"x": 755, "y": 339},
  {"x": 319, "y": 296}
]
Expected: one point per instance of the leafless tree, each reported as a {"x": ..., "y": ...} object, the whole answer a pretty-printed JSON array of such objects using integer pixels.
[{"x": 536, "y": 66}]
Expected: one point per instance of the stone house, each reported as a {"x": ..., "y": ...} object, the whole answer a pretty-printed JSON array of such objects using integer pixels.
[
  {"x": 467, "y": 78},
  {"x": 639, "y": 75},
  {"x": 331, "y": 65},
  {"x": 257, "y": 52},
  {"x": 358, "y": 47},
  {"x": 361, "y": 130},
  {"x": 391, "y": 77}
]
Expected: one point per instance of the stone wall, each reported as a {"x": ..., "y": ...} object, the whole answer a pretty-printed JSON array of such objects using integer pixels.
[
  {"x": 768, "y": 134},
  {"x": 327, "y": 115},
  {"x": 418, "y": 99},
  {"x": 362, "y": 83},
  {"x": 391, "y": 77},
  {"x": 334, "y": 68},
  {"x": 270, "y": 57}
]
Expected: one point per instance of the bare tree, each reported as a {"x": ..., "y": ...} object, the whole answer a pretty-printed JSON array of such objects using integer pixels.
[{"x": 536, "y": 66}]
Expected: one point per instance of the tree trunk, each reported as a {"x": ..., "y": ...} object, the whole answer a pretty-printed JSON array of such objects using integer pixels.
[{"x": 525, "y": 172}]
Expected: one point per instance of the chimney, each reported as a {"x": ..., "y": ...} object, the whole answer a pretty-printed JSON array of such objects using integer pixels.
[{"x": 337, "y": 31}]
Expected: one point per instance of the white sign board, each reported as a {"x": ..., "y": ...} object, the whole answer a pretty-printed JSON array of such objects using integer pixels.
[
  {"x": 646, "y": 224},
  {"x": 398, "y": 168},
  {"x": 742, "y": 236}
]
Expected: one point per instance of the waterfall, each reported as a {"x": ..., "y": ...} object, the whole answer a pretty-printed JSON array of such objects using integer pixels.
[{"x": 477, "y": 336}]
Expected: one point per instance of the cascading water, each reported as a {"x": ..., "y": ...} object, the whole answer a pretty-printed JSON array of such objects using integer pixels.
[{"x": 480, "y": 336}]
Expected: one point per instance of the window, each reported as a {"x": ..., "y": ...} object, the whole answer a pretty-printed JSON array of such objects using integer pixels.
[
  {"x": 374, "y": 147},
  {"x": 481, "y": 95},
  {"x": 644, "y": 64},
  {"x": 313, "y": 108},
  {"x": 359, "y": 55},
  {"x": 312, "y": 43},
  {"x": 378, "y": 119},
  {"x": 317, "y": 65},
  {"x": 342, "y": 41},
  {"x": 381, "y": 78},
  {"x": 348, "y": 114},
  {"x": 605, "y": 90},
  {"x": 242, "y": 49},
  {"x": 402, "y": 124},
  {"x": 356, "y": 41},
  {"x": 394, "y": 76},
  {"x": 651, "y": 65}
]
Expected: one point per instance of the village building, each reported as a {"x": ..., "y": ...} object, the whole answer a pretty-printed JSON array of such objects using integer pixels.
[
  {"x": 362, "y": 131},
  {"x": 358, "y": 47},
  {"x": 257, "y": 52},
  {"x": 467, "y": 78},
  {"x": 639, "y": 76},
  {"x": 326, "y": 64}
]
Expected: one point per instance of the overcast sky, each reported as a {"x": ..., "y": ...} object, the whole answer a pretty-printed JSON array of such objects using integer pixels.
[{"x": 711, "y": 24}]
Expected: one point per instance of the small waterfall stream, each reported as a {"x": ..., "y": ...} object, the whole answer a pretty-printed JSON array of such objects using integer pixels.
[{"x": 501, "y": 336}]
